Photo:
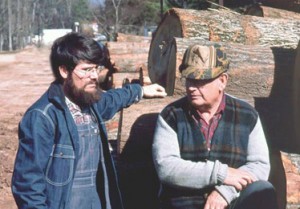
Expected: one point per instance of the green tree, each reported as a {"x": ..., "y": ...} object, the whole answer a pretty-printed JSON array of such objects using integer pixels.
[{"x": 81, "y": 11}]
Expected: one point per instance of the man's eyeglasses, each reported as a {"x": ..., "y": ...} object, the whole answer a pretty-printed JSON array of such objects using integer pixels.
[{"x": 87, "y": 72}]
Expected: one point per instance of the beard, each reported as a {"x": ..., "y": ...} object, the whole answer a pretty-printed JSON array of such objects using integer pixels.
[{"x": 78, "y": 95}]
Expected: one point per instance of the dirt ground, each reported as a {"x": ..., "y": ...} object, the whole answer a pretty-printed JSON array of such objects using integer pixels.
[{"x": 25, "y": 76}]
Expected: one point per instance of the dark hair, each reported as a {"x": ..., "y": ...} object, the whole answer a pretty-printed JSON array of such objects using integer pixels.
[{"x": 72, "y": 48}]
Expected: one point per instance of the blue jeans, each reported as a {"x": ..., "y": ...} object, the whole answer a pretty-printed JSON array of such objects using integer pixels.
[{"x": 258, "y": 195}]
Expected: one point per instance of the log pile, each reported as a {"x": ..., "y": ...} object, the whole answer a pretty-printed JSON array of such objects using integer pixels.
[
  {"x": 217, "y": 26},
  {"x": 280, "y": 13},
  {"x": 129, "y": 56}
]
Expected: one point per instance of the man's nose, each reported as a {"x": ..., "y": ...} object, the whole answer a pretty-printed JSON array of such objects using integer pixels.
[
  {"x": 191, "y": 88},
  {"x": 94, "y": 74}
]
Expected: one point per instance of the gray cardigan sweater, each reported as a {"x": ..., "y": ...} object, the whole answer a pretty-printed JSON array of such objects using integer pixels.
[{"x": 174, "y": 171}]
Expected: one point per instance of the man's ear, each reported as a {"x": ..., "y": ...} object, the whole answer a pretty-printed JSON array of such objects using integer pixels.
[
  {"x": 223, "y": 81},
  {"x": 63, "y": 71}
]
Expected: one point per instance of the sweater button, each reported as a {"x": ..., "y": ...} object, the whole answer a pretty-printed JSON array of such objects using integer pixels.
[{"x": 61, "y": 154}]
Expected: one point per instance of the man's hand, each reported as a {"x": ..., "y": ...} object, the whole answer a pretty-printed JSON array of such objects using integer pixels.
[
  {"x": 215, "y": 201},
  {"x": 154, "y": 90},
  {"x": 238, "y": 178}
]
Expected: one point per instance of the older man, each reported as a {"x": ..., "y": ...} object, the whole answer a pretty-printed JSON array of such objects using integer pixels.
[{"x": 209, "y": 148}]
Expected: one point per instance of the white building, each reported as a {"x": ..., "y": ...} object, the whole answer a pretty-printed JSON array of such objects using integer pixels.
[{"x": 50, "y": 35}]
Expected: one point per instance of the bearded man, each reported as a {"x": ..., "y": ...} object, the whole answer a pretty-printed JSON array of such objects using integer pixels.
[{"x": 63, "y": 160}]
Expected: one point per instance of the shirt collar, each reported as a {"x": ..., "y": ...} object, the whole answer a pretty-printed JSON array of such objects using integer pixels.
[
  {"x": 72, "y": 107},
  {"x": 79, "y": 115}
]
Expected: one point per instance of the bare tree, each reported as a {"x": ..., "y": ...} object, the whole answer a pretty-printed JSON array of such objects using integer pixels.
[
  {"x": 9, "y": 25},
  {"x": 116, "y": 4},
  {"x": 3, "y": 23},
  {"x": 15, "y": 23}
]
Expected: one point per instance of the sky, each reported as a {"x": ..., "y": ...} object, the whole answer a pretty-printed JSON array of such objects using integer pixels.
[{"x": 98, "y": 1}]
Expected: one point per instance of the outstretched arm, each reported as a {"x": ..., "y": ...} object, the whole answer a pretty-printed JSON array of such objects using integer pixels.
[{"x": 114, "y": 100}]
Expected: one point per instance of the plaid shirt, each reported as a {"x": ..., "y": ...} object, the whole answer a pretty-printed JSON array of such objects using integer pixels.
[
  {"x": 208, "y": 129},
  {"x": 83, "y": 116}
]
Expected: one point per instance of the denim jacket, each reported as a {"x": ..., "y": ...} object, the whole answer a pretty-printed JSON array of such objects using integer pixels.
[{"x": 48, "y": 148}]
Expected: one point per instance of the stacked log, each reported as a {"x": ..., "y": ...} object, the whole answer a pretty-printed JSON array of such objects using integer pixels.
[
  {"x": 292, "y": 176},
  {"x": 218, "y": 26},
  {"x": 128, "y": 56},
  {"x": 121, "y": 37},
  {"x": 280, "y": 13}
]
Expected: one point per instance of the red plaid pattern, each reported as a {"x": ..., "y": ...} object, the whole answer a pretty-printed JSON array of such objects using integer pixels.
[{"x": 208, "y": 129}]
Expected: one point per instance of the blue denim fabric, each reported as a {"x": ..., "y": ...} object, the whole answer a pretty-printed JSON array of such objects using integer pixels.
[
  {"x": 84, "y": 181},
  {"x": 49, "y": 148}
]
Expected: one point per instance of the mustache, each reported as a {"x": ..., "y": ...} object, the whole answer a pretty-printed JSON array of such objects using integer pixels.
[{"x": 93, "y": 82}]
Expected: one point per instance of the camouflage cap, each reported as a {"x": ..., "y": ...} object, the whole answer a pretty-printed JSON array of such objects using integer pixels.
[{"x": 204, "y": 62}]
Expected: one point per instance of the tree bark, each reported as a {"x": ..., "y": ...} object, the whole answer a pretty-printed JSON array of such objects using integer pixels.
[
  {"x": 218, "y": 26},
  {"x": 280, "y": 13},
  {"x": 129, "y": 56}
]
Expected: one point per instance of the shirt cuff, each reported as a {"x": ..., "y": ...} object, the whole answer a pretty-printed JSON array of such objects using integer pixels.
[
  {"x": 229, "y": 193},
  {"x": 221, "y": 173},
  {"x": 142, "y": 92}
]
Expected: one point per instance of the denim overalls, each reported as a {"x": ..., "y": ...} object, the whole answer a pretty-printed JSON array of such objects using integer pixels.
[{"x": 84, "y": 193}]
